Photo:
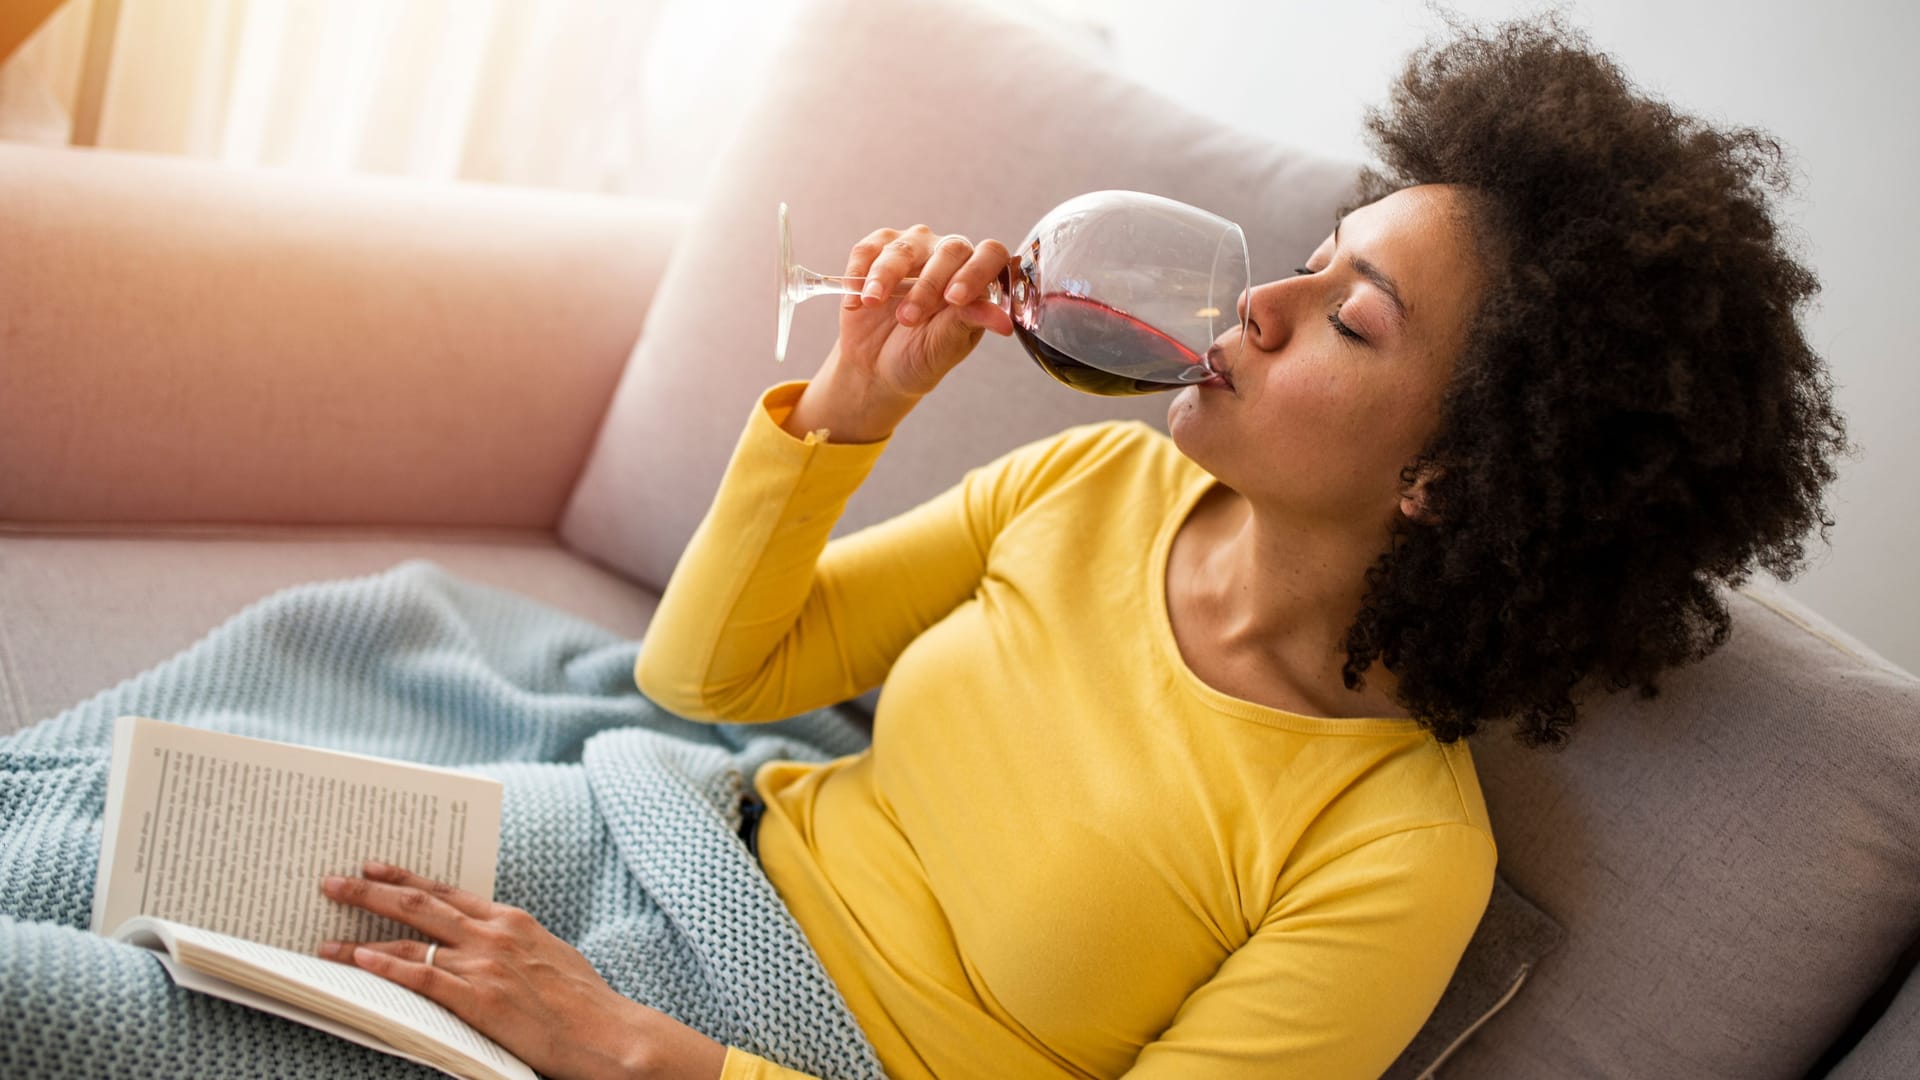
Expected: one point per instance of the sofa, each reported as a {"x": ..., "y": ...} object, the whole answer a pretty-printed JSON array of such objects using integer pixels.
[{"x": 218, "y": 382}]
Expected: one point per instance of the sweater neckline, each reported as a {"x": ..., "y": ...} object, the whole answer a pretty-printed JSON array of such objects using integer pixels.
[{"x": 1188, "y": 498}]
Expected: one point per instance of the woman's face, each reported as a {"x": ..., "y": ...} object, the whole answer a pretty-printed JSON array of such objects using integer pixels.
[{"x": 1321, "y": 416}]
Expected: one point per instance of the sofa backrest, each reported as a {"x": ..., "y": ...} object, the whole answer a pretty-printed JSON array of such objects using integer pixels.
[{"x": 1734, "y": 860}]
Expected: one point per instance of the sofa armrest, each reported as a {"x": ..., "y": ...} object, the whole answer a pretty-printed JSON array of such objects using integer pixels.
[{"x": 184, "y": 342}]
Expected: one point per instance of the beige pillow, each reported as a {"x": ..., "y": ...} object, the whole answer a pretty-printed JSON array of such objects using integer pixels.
[{"x": 921, "y": 112}]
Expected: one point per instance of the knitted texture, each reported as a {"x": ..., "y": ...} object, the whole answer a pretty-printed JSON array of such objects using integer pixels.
[{"x": 618, "y": 827}]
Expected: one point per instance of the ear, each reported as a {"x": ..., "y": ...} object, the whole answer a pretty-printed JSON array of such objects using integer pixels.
[{"x": 1415, "y": 504}]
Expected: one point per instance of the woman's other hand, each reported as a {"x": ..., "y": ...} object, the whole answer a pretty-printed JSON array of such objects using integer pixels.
[
  {"x": 502, "y": 972},
  {"x": 894, "y": 351}
]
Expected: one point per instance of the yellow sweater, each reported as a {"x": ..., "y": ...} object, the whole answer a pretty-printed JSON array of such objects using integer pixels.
[{"x": 1064, "y": 854}]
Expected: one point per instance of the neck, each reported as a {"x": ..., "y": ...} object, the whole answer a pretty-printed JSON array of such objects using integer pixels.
[{"x": 1284, "y": 592}]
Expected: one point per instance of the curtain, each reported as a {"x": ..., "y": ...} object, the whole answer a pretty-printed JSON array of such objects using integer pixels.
[
  {"x": 39, "y": 82},
  {"x": 629, "y": 96}
]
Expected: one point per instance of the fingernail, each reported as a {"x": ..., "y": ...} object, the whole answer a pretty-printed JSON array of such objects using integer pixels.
[
  {"x": 909, "y": 313},
  {"x": 377, "y": 869},
  {"x": 330, "y": 949},
  {"x": 956, "y": 293},
  {"x": 872, "y": 290},
  {"x": 333, "y": 883}
]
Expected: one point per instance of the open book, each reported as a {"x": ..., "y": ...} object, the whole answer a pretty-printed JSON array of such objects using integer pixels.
[{"x": 212, "y": 852}]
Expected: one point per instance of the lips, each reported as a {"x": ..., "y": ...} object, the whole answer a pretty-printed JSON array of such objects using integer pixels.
[{"x": 1216, "y": 359}]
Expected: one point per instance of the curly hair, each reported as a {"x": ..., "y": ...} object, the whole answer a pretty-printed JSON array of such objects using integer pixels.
[{"x": 1637, "y": 417}]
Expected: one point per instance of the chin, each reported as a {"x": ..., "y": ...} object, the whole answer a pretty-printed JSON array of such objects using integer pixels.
[{"x": 1189, "y": 426}]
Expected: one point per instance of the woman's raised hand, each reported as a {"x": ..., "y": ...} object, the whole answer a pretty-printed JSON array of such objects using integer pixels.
[
  {"x": 892, "y": 352},
  {"x": 908, "y": 345}
]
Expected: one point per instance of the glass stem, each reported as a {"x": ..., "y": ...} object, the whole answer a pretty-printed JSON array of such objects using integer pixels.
[{"x": 811, "y": 285}]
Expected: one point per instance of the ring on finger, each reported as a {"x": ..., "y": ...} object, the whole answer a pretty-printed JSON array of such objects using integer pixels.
[{"x": 431, "y": 949}]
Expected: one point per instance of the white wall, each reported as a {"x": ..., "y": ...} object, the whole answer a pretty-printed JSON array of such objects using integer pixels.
[{"x": 1837, "y": 82}]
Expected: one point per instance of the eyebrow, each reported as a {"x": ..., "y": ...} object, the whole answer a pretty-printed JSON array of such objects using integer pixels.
[{"x": 1376, "y": 275}]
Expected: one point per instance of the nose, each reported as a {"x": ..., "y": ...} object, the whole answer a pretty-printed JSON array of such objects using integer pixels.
[
  {"x": 1243, "y": 306},
  {"x": 1255, "y": 302}
]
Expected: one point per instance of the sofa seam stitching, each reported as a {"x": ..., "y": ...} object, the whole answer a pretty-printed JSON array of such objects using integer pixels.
[{"x": 1783, "y": 614}]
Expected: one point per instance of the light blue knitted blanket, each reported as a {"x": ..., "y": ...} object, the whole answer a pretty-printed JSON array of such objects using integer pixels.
[{"x": 619, "y": 828}]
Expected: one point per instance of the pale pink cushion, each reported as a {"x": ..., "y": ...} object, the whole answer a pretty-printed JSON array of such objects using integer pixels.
[
  {"x": 184, "y": 342},
  {"x": 914, "y": 112}
]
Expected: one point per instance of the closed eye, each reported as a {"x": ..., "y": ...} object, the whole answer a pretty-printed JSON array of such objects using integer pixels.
[{"x": 1333, "y": 317}]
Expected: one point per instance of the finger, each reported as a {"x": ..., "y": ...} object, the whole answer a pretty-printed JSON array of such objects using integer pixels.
[
  {"x": 434, "y": 983},
  {"x": 457, "y": 898},
  {"x": 924, "y": 300},
  {"x": 898, "y": 259},
  {"x": 986, "y": 315},
  {"x": 861, "y": 258},
  {"x": 983, "y": 268},
  {"x": 410, "y": 907},
  {"x": 342, "y": 951}
]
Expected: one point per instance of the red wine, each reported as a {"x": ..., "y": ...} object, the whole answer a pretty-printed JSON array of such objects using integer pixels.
[{"x": 1081, "y": 333}]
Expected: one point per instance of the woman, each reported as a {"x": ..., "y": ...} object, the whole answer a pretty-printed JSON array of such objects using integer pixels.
[{"x": 1169, "y": 778}]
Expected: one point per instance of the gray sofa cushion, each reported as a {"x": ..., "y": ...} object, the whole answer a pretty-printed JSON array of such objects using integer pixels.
[{"x": 1734, "y": 860}]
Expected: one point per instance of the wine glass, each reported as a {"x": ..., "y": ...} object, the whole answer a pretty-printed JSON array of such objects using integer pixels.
[{"x": 1112, "y": 293}]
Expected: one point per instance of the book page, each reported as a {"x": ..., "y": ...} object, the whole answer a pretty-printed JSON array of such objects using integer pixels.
[
  {"x": 396, "y": 1003},
  {"x": 213, "y": 985},
  {"x": 338, "y": 998},
  {"x": 233, "y": 834}
]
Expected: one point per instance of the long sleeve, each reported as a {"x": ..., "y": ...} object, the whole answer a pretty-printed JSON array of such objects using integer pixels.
[
  {"x": 764, "y": 618},
  {"x": 754, "y": 624},
  {"x": 1345, "y": 971}
]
